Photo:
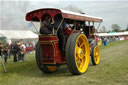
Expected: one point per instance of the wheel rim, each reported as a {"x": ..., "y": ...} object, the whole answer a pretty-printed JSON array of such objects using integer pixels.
[
  {"x": 52, "y": 68},
  {"x": 82, "y": 53},
  {"x": 96, "y": 54}
]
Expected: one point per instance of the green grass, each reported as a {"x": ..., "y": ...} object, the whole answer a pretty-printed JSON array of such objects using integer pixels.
[{"x": 112, "y": 70}]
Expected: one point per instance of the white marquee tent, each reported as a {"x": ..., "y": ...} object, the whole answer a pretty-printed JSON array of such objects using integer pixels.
[
  {"x": 18, "y": 34},
  {"x": 112, "y": 34}
]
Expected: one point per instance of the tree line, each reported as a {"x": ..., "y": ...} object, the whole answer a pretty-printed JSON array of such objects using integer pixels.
[{"x": 114, "y": 28}]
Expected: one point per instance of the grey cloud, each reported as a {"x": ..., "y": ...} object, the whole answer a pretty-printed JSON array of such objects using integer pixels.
[{"x": 13, "y": 12}]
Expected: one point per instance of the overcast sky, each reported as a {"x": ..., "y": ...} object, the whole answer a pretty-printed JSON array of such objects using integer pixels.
[{"x": 12, "y": 12}]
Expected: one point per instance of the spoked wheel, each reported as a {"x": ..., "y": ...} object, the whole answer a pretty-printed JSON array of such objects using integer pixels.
[
  {"x": 95, "y": 55},
  {"x": 43, "y": 67},
  {"x": 77, "y": 53},
  {"x": 49, "y": 68}
]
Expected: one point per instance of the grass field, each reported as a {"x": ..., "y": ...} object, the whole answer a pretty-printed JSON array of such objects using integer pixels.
[{"x": 112, "y": 70}]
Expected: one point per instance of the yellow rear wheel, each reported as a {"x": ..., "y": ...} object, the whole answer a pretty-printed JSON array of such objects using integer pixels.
[
  {"x": 44, "y": 67},
  {"x": 52, "y": 68},
  {"x": 77, "y": 53},
  {"x": 95, "y": 55}
]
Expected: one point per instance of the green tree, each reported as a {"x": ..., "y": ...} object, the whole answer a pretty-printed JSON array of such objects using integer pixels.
[
  {"x": 127, "y": 28},
  {"x": 115, "y": 27}
]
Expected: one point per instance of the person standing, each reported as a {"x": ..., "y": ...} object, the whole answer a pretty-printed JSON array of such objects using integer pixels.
[
  {"x": 1, "y": 49},
  {"x": 14, "y": 51},
  {"x": 9, "y": 50},
  {"x": 23, "y": 48},
  {"x": 60, "y": 33},
  {"x": 19, "y": 50},
  {"x": 5, "y": 52}
]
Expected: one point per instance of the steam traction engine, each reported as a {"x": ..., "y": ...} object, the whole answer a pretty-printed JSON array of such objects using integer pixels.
[{"x": 79, "y": 46}]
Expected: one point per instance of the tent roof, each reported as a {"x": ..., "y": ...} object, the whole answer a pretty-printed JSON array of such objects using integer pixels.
[
  {"x": 18, "y": 34},
  {"x": 1, "y": 35},
  {"x": 112, "y": 34}
]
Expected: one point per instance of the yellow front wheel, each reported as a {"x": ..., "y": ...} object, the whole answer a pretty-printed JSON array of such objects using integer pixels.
[
  {"x": 95, "y": 55},
  {"x": 77, "y": 53}
]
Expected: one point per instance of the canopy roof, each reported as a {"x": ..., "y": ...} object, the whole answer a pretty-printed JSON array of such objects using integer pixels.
[
  {"x": 65, "y": 14},
  {"x": 18, "y": 34}
]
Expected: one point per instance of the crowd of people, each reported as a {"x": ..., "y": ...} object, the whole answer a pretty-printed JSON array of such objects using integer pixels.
[{"x": 17, "y": 49}]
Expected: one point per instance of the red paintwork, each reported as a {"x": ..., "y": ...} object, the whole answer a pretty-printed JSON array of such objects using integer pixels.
[
  {"x": 50, "y": 50},
  {"x": 48, "y": 38},
  {"x": 67, "y": 31}
]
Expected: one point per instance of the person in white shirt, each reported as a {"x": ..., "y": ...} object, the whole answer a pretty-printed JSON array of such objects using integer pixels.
[{"x": 23, "y": 48}]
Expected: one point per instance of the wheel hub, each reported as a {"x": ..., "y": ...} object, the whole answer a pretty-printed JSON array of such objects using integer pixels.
[{"x": 80, "y": 52}]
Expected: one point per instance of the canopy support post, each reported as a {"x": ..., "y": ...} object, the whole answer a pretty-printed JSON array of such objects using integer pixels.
[
  {"x": 89, "y": 28},
  {"x": 98, "y": 26},
  {"x": 53, "y": 31},
  {"x": 75, "y": 25},
  {"x": 94, "y": 32},
  {"x": 93, "y": 24},
  {"x": 35, "y": 27},
  {"x": 97, "y": 30},
  {"x": 40, "y": 23},
  {"x": 60, "y": 24}
]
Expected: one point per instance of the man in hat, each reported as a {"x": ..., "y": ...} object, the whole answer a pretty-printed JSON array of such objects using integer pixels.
[{"x": 46, "y": 26}]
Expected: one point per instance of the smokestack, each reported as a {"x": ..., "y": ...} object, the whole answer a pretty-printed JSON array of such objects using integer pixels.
[
  {"x": 74, "y": 9},
  {"x": 82, "y": 13}
]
